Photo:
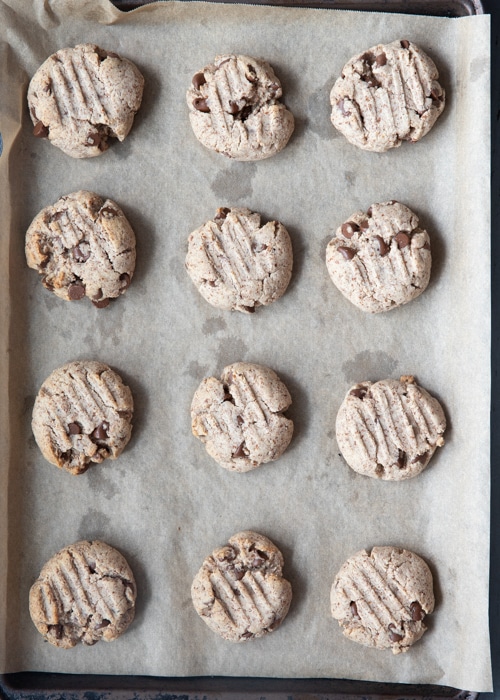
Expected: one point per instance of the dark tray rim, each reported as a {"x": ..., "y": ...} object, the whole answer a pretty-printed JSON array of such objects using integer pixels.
[{"x": 52, "y": 686}]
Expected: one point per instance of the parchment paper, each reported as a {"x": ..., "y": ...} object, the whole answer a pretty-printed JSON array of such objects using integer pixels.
[{"x": 164, "y": 503}]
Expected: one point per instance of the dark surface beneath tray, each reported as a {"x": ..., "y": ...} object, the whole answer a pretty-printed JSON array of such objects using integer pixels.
[{"x": 51, "y": 686}]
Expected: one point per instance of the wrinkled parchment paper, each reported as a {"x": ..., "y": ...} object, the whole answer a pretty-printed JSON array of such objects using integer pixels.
[{"x": 164, "y": 503}]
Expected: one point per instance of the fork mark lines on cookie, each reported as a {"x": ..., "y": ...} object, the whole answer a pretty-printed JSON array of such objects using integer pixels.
[{"x": 245, "y": 601}]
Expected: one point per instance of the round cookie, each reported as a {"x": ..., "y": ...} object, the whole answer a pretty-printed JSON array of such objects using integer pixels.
[
  {"x": 234, "y": 108},
  {"x": 237, "y": 264},
  {"x": 380, "y": 598},
  {"x": 380, "y": 259},
  {"x": 82, "y": 97},
  {"x": 82, "y": 246},
  {"x": 390, "y": 429},
  {"x": 387, "y": 95},
  {"x": 82, "y": 415},
  {"x": 240, "y": 591},
  {"x": 239, "y": 416},
  {"x": 85, "y": 593}
]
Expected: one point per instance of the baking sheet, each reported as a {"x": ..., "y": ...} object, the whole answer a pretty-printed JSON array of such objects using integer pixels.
[{"x": 164, "y": 503}]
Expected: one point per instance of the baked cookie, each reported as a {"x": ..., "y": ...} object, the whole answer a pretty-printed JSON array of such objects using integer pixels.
[
  {"x": 380, "y": 259},
  {"x": 82, "y": 415},
  {"x": 234, "y": 108},
  {"x": 389, "y": 430},
  {"x": 82, "y": 246},
  {"x": 235, "y": 263},
  {"x": 239, "y": 416},
  {"x": 85, "y": 593},
  {"x": 387, "y": 95},
  {"x": 381, "y": 598},
  {"x": 240, "y": 591},
  {"x": 82, "y": 97}
]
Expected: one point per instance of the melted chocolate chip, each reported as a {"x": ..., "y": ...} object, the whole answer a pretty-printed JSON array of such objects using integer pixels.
[
  {"x": 349, "y": 229},
  {"x": 364, "y": 225},
  {"x": 198, "y": 80},
  {"x": 358, "y": 393},
  {"x": 40, "y": 130},
  {"x": 80, "y": 255},
  {"x": 245, "y": 113},
  {"x": 101, "y": 432},
  {"x": 402, "y": 239},
  {"x": 402, "y": 459},
  {"x": 200, "y": 104},
  {"x": 76, "y": 291},
  {"x": 381, "y": 59},
  {"x": 74, "y": 429},
  {"x": 233, "y": 107},
  {"x": 393, "y": 635},
  {"x": 382, "y": 246},
  {"x": 348, "y": 253},
  {"x": 416, "y": 611}
]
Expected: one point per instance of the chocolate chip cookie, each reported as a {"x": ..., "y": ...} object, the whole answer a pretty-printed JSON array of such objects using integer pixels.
[
  {"x": 239, "y": 417},
  {"x": 80, "y": 98},
  {"x": 85, "y": 593},
  {"x": 82, "y": 415},
  {"x": 380, "y": 598},
  {"x": 390, "y": 429},
  {"x": 240, "y": 592},
  {"x": 387, "y": 95},
  {"x": 380, "y": 259},
  {"x": 234, "y": 108},
  {"x": 238, "y": 264},
  {"x": 82, "y": 246}
]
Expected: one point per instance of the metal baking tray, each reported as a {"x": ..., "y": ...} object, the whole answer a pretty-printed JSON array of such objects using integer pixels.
[{"x": 53, "y": 686}]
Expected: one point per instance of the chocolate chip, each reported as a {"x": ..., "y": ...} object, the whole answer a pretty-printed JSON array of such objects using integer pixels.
[
  {"x": 108, "y": 212},
  {"x": 405, "y": 44},
  {"x": 74, "y": 429},
  {"x": 245, "y": 112},
  {"x": 402, "y": 459},
  {"x": 358, "y": 393},
  {"x": 249, "y": 309},
  {"x": 80, "y": 255},
  {"x": 246, "y": 635},
  {"x": 221, "y": 213},
  {"x": 370, "y": 80},
  {"x": 125, "y": 280},
  {"x": 341, "y": 106},
  {"x": 393, "y": 635},
  {"x": 416, "y": 611},
  {"x": 112, "y": 54},
  {"x": 200, "y": 104},
  {"x": 369, "y": 212},
  {"x": 348, "y": 253},
  {"x": 101, "y": 303},
  {"x": 198, "y": 80},
  {"x": 94, "y": 139},
  {"x": 354, "y": 610},
  {"x": 233, "y": 107},
  {"x": 402, "y": 239},
  {"x": 76, "y": 291},
  {"x": 382, "y": 246},
  {"x": 101, "y": 625},
  {"x": 419, "y": 458},
  {"x": 349, "y": 229},
  {"x": 57, "y": 631},
  {"x": 101, "y": 432},
  {"x": 251, "y": 75},
  {"x": 239, "y": 420},
  {"x": 381, "y": 59},
  {"x": 240, "y": 452},
  {"x": 40, "y": 130},
  {"x": 364, "y": 225},
  {"x": 368, "y": 57}
]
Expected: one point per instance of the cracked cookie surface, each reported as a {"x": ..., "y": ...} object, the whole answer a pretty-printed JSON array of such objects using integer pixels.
[
  {"x": 239, "y": 591},
  {"x": 239, "y": 417},
  {"x": 82, "y": 246},
  {"x": 82, "y": 97},
  {"x": 380, "y": 598},
  {"x": 386, "y": 95},
  {"x": 82, "y": 415},
  {"x": 235, "y": 109},
  {"x": 380, "y": 259},
  {"x": 389, "y": 429},
  {"x": 238, "y": 264},
  {"x": 85, "y": 593}
]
